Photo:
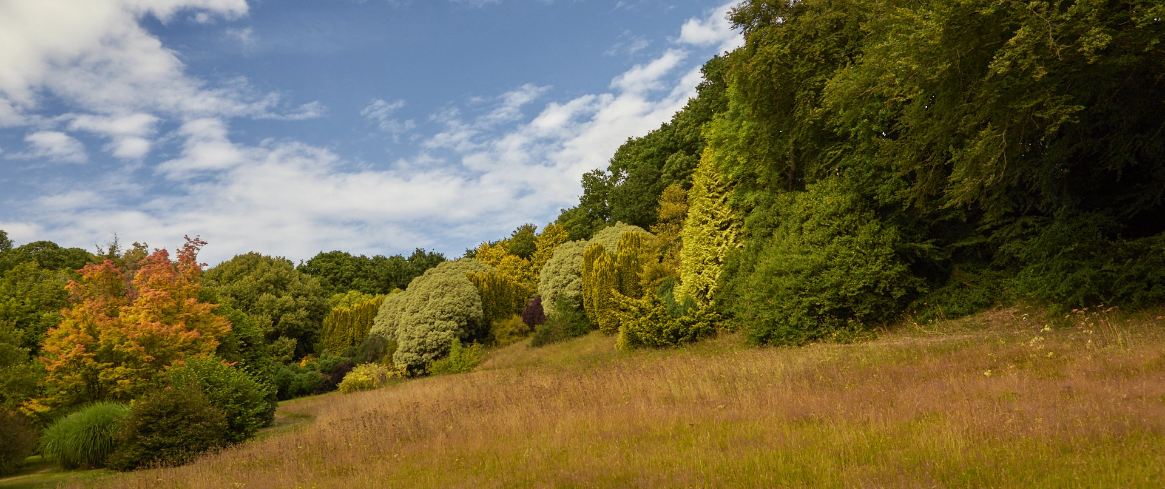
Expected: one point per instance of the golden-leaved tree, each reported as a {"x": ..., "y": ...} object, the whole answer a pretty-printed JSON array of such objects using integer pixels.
[
  {"x": 710, "y": 232},
  {"x": 116, "y": 339}
]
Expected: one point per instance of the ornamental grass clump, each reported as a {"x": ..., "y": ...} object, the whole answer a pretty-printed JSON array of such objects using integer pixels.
[{"x": 86, "y": 438}]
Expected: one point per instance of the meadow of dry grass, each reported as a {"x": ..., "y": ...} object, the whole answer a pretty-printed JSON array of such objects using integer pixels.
[{"x": 1003, "y": 399}]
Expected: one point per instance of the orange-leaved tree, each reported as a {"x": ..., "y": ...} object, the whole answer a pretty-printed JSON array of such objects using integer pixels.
[{"x": 115, "y": 341}]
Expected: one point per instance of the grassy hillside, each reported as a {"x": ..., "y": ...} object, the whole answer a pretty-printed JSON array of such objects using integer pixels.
[{"x": 1003, "y": 399}]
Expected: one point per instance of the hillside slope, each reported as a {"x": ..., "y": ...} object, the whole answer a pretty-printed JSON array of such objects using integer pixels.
[{"x": 1001, "y": 399}]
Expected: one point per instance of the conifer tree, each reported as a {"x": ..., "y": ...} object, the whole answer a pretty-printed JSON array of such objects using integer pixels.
[{"x": 709, "y": 233}]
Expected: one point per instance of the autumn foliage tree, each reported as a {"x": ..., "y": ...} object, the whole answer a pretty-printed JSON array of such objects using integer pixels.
[{"x": 115, "y": 341}]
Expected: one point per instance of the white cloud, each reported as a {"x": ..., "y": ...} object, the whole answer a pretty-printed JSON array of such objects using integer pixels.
[
  {"x": 643, "y": 78},
  {"x": 488, "y": 170},
  {"x": 53, "y": 146},
  {"x": 713, "y": 30},
  {"x": 129, "y": 133}
]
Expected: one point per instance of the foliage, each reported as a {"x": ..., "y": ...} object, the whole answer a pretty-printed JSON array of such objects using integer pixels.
[
  {"x": 709, "y": 233},
  {"x": 169, "y": 426},
  {"x": 375, "y": 348},
  {"x": 46, "y": 255},
  {"x": 114, "y": 343},
  {"x": 533, "y": 315},
  {"x": 20, "y": 373},
  {"x": 349, "y": 299},
  {"x": 501, "y": 296},
  {"x": 438, "y": 306},
  {"x": 368, "y": 376},
  {"x": 1071, "y": 263},
  {"x": 31, "y": 299},
  {"x": 663, "y": 253},
  {"x": 647, "y": 322},
  {"x": 246, "y": 403},
  {"x": 85, "y": 438},
  {"x": 345, "y": 327},
  {"x": 830, "y": 265},
  {"x": 293, "y": 381},
  {"x": 333, "y": 373},
  {"x": 600, "y": 281},
  {"x": 508, "y": 331},
  {"x": 19, "y": 440},
  {"x": 566, "y": 322},
  {"x": 523, "y": 242},
  {"x": 560, "y": 281},
  {"x": 609, "y": 236},
  {"x": 339, "y": 272},
  {"x": 460, "y": 359},
  {"x": 1013, "y": 149},
  {"x": 551, "y": 237},
  {"x": 245, "y": 347},
  {"x": 289, "y": 304}
]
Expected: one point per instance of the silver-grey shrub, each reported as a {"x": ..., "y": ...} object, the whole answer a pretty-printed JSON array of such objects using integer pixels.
[{"x": 437, "y": 307}]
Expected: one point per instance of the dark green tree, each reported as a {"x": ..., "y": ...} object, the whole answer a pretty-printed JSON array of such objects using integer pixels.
[{"x": 289, "y": 305}]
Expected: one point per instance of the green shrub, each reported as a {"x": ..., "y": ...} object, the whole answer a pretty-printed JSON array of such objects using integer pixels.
[
  {"x": 368, "y": 376},
  {"x": 646, "y": 322},
  {"x": 1074, "y": 262},
  {"x": 460, "y": 359},
  {"x": 293, "y": 381},
  {"x": 169, "y": 426},
  {"x": 85, "y": 438},
  {"x": 561, "y": 277},
  {"x": 438, "y": 306},
  {"x": 19, "y": 440},
  {"x": 247, "y": 404},
  {"x": 829, "y": 267},
  {"x": 508, "y": 331},
  {"x": 565, "y": 323}
]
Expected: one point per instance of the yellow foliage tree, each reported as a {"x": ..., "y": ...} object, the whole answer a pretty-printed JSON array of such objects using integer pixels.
[
  {"x": 710, "y": 232},
  {"x": 348, "y": 326},
  {"x": 501, "y": 295},
  {"x": 551, "y": 237},
  {"x": 665, "y": 261},
  {"x": 600, "y": 284}
]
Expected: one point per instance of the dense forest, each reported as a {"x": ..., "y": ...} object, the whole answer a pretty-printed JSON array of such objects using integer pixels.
[{"x": 852, "y": 165}]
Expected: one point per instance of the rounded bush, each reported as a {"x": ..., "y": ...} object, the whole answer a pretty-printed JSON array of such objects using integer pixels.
[
  {"x": 533, "y": 314},
  {"x": 170, "y": 426},
  {"x": 830, "y": 267},
  {"x": 86, "y": 438},
  {"x": 368, "y": 376},
  {"x": 561, "y": 277},
  {"x": 438, "y": 306},
  {"x": 247, "y": 404}
]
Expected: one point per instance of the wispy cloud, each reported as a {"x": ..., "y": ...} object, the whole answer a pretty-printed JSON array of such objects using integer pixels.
[
  {"x": 712, "y": 30},
  {"x": 380, "y": 112},
  {"x": 53, "y": 146}
]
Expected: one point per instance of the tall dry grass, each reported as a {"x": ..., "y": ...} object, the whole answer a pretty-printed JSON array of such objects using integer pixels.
[{"x": 1005, "y": 399}]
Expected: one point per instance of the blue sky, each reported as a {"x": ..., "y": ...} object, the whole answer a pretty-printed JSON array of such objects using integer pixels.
[{"x": 292, "y": 127}]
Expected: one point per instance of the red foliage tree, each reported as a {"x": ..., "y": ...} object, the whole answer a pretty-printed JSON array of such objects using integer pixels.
[{"x": 115, "y": 341}]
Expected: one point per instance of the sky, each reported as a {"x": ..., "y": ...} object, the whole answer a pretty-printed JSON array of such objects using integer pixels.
[{"x": 291, "y": 127}]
